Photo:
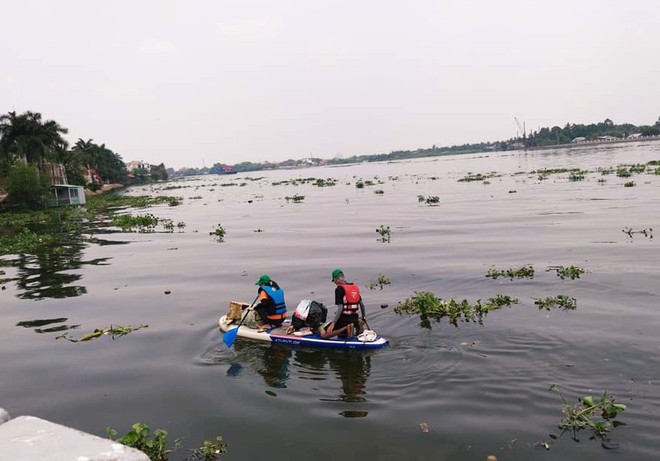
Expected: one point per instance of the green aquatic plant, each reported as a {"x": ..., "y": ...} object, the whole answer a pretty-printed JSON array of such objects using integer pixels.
[
  {"x": 472, "y": 177},
  {"x": 572, "y": 272},
  {"x": 379, "y": 192},
  {"x": 296, "y": 198},
  {"x": 589, "y": 413},
  {"x": 380, "y": 282},
  {"x": 563, "y": 302},
  {"x": 385, "y": 234},
  {"x": 645, "y": 232},
  {"x": 219, "y": 233},
  {"x": 325, "y": 182},
  {"x": 623, "y": 173},
  {"x": 629, "y": 184},
  {"x": 115, "y": 331},
  {"x": 637, "y": 168},
  {"x": 156, "y": 445},
  {"x": 576, "y": 175},
  {"x": 430, "y": 307},
  {"x": 549, "y": 171},
  {"x": 99, "y": 203},
  {"x": 24, "y": 242},
  {"x": 521, "y": 272},
  {"x": 501, "y": 300},
  {"x": 429, "y": 200},
  {"x": 141, "y": 223}
]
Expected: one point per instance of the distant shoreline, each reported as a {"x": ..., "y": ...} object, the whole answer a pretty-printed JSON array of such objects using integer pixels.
[{"x": 588, "y": 143}]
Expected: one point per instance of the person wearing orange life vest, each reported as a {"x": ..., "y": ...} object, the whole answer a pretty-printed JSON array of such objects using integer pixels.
[
  {"x": 270, "y": 307},
  {"x": 349, "y": 305}
]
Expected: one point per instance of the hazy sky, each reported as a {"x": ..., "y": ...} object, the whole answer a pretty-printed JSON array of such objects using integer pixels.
[{"x": 187, "y": 82}]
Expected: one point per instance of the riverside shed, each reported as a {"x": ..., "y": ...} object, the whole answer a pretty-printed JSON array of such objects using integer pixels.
[{"x": 67, "y": 194}]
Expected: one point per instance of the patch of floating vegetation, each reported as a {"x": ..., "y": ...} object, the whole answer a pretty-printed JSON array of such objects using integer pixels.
[
  {"x": 218, "y": 233},
  {"x": 32, "y": 232},
  {"x": 594, "y": 414},
  {"x": 360, "y": 184},
  {"x": 577, "y": 175},
  {"x": 521, "y": 272},
  {"x": 563, "y": 302},
  {"x": 385, "y": 234},
  {"x": 380, "y": 282},
  {"x": 143, "y": 224},
  {"x": 428, "y": 200},
  {"x": 106, "y": 202},
  {"x": 115, "y": 331},
  {"x": 430, "y": 307},
  {"x": 572, "y": 272},
  {"x": 471, "y": 177},
  {"x": 318, "y": 182},
  {"x": 645, "y": 232},
  {"x": 295, "y": 198}
]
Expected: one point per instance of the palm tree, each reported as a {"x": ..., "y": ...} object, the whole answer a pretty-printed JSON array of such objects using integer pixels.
[{"x": 27, "y": 138}]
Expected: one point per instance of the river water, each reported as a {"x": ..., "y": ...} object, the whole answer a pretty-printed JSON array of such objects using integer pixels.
[{"x": 442, "y": 393}]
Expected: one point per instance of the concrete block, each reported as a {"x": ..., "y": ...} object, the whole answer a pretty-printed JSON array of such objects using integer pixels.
[{"x": 31, "y": 438}]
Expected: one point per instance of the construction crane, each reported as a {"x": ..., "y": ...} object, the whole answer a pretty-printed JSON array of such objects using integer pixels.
[{"x": 521, "y": 128}]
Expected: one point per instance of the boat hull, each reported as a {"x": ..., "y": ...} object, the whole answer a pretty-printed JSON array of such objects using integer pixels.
[{"x": 279, "y": 336}]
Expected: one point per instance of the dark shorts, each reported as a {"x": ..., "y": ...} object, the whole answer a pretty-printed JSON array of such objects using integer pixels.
[{"x": 347, "y": 320}]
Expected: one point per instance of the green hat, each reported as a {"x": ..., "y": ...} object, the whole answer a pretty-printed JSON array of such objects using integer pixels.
[
  {"x": 263, "y": 280},
  {"x": 336, "y": 273}
]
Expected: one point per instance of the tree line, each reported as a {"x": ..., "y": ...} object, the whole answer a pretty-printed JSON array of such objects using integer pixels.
[
  {"x": 30, "y": 146},
  {"x": 28, "y": 139},
  {"x": 543, "y": 137},
  {"x": 592, "y": 132}
]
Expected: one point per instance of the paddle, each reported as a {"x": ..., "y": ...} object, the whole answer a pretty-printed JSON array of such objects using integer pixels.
[
  {"x": 230, "y": 336},
  {"x": 365, "y": 322}
]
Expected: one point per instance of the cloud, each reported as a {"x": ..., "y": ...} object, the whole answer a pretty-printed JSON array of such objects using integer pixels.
[
  {"x": 154, "y": 46},
  {"x": 255, "y": 28}
]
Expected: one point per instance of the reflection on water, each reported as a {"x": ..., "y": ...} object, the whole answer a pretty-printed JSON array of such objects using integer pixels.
[
  {"x": 278, "y": 364},
  {"x": 351, "y": 367},
  {"x": 47, "y": 274},
  {"x": 270, "y": 361},
  {"x": 44, "y": 322}
]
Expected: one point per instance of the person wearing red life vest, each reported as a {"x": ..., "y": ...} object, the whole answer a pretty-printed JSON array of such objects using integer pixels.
[{"x": 348, "y": 300}]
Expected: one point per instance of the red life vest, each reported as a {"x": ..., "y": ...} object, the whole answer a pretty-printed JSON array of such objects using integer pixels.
[{"x": 351, "y": 298}]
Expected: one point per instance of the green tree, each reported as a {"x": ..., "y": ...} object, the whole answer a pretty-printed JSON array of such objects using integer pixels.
[
  {"x": 72, "y": 164},
  {"x": 28, "y": 138},
  {"x": 158, "y": 172},
  {"x": 25, "y": 187},
  {"x": 107, "y": 164}
]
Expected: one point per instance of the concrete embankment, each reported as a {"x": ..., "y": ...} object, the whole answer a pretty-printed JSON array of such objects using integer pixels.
[{"x": 31, "y": 438}]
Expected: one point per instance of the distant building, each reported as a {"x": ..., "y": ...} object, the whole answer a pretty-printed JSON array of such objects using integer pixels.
[
  {"x": 579, "y": 139},
  {"x": 634, "y": 136},
  {"x": 92, "y": 176},
  {"x": 138, "y": 165}
]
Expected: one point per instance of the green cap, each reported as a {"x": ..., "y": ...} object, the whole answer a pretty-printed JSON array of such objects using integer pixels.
[
  {"x": 336, "y": 273},
  {"x": 263, "y": 280}
]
